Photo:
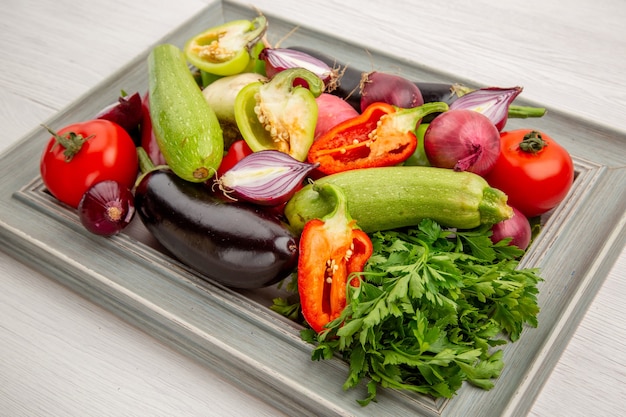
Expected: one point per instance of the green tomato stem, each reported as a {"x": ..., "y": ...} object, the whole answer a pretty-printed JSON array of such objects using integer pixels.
[{"x": 71, "y": 142}]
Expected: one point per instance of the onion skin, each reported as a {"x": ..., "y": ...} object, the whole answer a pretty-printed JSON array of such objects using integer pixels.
[
  {"x": 463, "y": 140},
  {"x": 267, "y": 178},
  {"x": 517, "y": 228},
  {"x": 493, "y": 102},
  {"x": 348, "y": 81},
  {"x": 280, "y": 59},
  {"x": 389, "y": 88},
  {"x": 126, "y": 112},
  {"x": 106, "y": 208}
]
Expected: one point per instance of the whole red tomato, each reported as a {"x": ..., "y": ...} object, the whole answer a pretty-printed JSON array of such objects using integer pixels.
[
  {"x": 533, "y": 170},
  {"x": 68, "y": 168}
]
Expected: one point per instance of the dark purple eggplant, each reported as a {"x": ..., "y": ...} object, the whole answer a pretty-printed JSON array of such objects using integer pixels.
[
  {"x": 349, "y": 83},
  {"x": 232, "y": 243},
  {"x": 447, "y": 93}
]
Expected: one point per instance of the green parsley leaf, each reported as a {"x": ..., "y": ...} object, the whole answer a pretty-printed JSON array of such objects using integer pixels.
[{"x": 286, "y": 308}]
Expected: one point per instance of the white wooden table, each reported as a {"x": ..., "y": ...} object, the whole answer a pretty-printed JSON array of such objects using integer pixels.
[{"x": 61, "y": 355}]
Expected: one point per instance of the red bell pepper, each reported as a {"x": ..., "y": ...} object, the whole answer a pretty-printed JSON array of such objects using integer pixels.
[
  {"x": 238, "y": 150},
  {"x": 383, "y": 135},
  {"x": 331, "y": 249}
]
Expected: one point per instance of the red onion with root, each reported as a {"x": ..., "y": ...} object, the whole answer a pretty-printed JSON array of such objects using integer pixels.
[
  {"x": 389, "y": 88},
  {"x": 267, "y": 178},
  {"x": 126, "y": 112},
  {"x": 106, "y": 208},
  {"x": 517, "y": 228},
  {"x": 280, "y": 59},
  {"x": 463, "y": 140},
  {"x": 493, "y": 102}
]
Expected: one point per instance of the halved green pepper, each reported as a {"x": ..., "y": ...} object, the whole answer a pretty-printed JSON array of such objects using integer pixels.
[
  {"x": 279, "y": 114},
  {"x": 226, "y": 49}
]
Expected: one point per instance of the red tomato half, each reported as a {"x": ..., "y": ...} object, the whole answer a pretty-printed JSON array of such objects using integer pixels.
[
  {"x": 109, "y": 153},
  {"x": 535, "y": 181}
]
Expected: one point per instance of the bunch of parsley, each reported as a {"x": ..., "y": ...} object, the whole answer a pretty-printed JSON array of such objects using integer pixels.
[{"x": 431, "y": 307}]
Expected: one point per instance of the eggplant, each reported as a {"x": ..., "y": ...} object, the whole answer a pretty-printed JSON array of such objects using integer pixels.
[
  {"x": 444, "y": 92},
  {"x": 235, "y": 244},
  {"x": 349, "y": 84}
]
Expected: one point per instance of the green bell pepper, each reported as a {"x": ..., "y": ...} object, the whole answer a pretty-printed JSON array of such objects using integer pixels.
[
  {"x": 419, "y": 157},
  {"x": 280, "y": 114},
  {"x": 227, "y": 49}
]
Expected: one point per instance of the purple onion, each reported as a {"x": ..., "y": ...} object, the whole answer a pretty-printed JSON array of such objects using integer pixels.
[
  {"x": 280, "y": 59},
  {"x": 463, "y": 140},
  {"x": 391, "y": 89},
  {"x": 106, "y": 208},
  {"x": 493, "y": 102},
  {"x": 126, "y": 112},
  {"x": 517, "y": 228},
  {"x": 266, "y": 177}
]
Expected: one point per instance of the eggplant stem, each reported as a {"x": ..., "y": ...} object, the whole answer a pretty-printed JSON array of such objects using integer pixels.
[{"x": 145, "y": 164}]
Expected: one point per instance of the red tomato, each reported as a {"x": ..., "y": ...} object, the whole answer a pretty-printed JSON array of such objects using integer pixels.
[
  {"x": 535, "y": 181},
  {"x": 108, "y": 153},
  {"x": 236, "y": 152}
]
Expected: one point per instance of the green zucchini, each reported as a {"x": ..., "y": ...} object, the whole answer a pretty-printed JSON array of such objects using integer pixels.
[
  {"x": 399, "y": 196},
  {"x": 185, "y": 126}
]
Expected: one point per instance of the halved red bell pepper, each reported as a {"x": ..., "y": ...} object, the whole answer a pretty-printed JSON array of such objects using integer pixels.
[
  {"x": 383, "y": 135},
  {"x": 331, "y": 249},
  {"x": 238, "y": 150}
]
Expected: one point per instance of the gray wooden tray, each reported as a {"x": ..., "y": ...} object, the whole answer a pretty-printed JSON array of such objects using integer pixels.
[{"x": 234, "y": 333}]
